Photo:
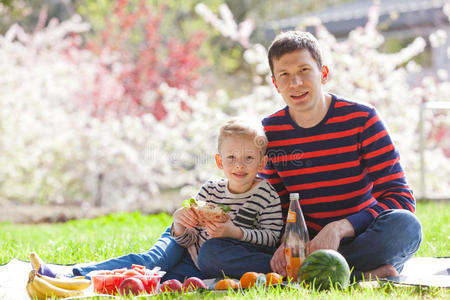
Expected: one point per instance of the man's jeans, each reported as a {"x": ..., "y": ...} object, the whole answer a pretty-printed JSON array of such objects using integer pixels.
[{"x": 392, "y": 238}]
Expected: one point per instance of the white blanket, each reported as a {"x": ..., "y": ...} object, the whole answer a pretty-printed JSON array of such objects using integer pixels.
[{"x": 425, "y": 271}]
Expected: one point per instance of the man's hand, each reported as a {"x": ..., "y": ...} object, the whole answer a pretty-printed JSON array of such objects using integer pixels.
[
  {"x": 226, "y": 229},
  {"x": 330, "y": 236},
  {"x": 278, "y": 261},
  {"x": 183, "y": 218}
]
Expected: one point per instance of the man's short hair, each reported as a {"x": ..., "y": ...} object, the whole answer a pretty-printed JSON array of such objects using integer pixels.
[
  {"x": 289, "y": 41},
  {"x": 243, "y": 128}
]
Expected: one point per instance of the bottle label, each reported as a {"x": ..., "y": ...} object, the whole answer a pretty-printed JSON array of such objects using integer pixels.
[{"x": 291, "y": 217}]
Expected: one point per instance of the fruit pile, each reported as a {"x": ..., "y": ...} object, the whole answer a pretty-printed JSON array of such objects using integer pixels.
[
  {"x": 248, "y": 280},
  {"x": 42, "y": 287},
  {"x": 137, "y": 280},
  {"x": 190, "y": 284}
]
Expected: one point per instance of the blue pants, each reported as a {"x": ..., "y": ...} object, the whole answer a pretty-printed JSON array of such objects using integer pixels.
[
  {"x": 392, "y": 238},
  {"x": 166, "y": 254}
]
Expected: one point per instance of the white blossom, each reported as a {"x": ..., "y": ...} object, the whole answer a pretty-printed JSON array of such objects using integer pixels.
[{"x": 438, "y": 38}]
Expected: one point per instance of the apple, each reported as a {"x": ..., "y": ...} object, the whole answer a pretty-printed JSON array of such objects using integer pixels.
[
  {"x": 171, "y": 285},
  {"x": 131, "y": 285},
  {"x": 193, "y": 283}
]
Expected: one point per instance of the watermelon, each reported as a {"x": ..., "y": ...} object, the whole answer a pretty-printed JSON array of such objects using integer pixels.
[{"x": 323, "y": 269}]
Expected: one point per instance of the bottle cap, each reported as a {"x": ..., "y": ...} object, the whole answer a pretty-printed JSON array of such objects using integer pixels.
[{"x": 294, "y": 196}]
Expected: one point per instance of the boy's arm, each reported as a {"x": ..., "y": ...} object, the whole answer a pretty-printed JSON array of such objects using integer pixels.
[
  {"x": 269, "y": 218},
  {"x": 183, "y": 218},
  {"x": 187, "y": 238},
  {"x": 183, "y": 231},
  {"x": 184, "y": 222}
]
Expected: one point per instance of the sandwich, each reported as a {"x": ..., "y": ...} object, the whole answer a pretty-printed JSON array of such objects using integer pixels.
[{"x": 206, "y": 211}]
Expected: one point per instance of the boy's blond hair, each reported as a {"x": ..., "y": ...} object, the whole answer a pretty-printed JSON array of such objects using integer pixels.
[{"x": 242, "y": 128}]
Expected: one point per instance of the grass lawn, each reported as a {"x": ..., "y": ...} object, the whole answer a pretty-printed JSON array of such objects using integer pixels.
[{"x": 119, "y": 234}]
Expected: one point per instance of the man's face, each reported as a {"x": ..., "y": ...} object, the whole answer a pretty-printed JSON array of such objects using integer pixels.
[{"x": 299, "y": 80}]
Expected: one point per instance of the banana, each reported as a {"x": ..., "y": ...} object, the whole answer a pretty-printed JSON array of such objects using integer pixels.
[
  {"x": 67, "y": 283},
  {"x": 35, "y": 294},
  {"x": 32, "y": 292},
  {"x": 35, "y": 261},
  {"x": 49, "y": 290}
]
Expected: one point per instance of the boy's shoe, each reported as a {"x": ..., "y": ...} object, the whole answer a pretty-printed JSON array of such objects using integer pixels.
[{"x": 40, "y": 266}]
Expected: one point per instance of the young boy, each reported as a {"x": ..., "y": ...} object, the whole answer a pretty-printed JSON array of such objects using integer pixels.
[
  {"x": 255, "y": 206},
  {"x": 255, "y": 222}
]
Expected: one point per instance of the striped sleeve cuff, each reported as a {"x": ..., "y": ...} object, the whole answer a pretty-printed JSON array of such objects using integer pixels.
[
  {"x": 186, "y": 239},
  {"x": 360, "y": 221}
]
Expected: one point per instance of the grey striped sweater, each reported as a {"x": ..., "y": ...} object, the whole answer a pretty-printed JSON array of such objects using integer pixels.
[{"x": 257, "y": 212}]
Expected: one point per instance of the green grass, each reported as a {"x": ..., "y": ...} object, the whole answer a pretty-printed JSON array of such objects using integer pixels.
[
  {"x": 122, "y": 233},
  {"x": 435, "y": 219}
]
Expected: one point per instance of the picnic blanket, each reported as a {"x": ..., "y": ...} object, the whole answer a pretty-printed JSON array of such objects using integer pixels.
[{"x": 424, "y": 271}]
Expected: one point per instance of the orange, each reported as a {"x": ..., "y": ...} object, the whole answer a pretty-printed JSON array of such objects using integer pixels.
[
  {"x": 249, "y": 279},
  {"x": 226, "y": 284},
  {"x": 273, "y": 278}
]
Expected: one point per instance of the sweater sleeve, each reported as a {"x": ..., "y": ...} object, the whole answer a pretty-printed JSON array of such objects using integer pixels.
[
  {"x": 189, "y": 237},
  {"x": 270, "y": 174},
  {"x": 269, "y": 219},
  {"x": 382, "y": 163}
]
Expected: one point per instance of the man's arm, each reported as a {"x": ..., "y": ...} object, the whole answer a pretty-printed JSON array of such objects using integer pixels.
[
  {"x": 382, "y": 162},
  {"x": 390, "y": 189}
]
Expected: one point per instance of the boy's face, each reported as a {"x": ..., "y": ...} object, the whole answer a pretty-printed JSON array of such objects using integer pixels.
[
  {"x": 240, "y": 160},
  {"x": 299, "y": 80}
]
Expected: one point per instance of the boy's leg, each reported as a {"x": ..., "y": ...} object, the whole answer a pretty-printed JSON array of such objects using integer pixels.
[
  {"x": 166, "y": 253},
  {"x": 233, "y": 258},
  {"x": 391, "y": 239},
  {"x": 184, "y": 269}
]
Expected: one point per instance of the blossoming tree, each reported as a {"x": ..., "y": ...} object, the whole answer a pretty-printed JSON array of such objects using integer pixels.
[{"x": 54, "y": 149}]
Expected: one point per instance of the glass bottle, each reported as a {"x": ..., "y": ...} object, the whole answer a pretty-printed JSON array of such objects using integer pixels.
[{"x": 295, "y": 238}]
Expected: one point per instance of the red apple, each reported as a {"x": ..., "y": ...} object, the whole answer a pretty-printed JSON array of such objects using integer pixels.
[
  {"x": 171, "y": 285},
  {"x": 131, "y": 285},
  {"x": 193, "y": 283}
]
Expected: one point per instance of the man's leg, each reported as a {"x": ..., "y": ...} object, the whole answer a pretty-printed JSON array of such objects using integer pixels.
[
  {"x": 166, "y": 253},
  {"x": 233, "y": 258},
  {"x": 391, "y": 239},
  {"x": 184, "y": 269}
]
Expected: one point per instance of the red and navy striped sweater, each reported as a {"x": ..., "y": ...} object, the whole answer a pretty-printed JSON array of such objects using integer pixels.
[{"x": 344, "y": 167}]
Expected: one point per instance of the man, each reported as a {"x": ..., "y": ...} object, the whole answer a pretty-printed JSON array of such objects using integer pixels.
[{"x": 337, "y": 154}]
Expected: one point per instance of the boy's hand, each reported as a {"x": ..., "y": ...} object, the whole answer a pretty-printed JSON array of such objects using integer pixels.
[
  {"x": 226, "y": 229},
  {"x": 183, "y": 218}
]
